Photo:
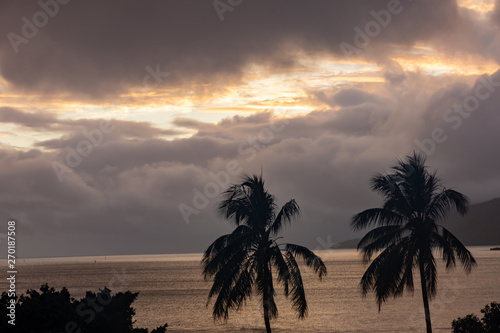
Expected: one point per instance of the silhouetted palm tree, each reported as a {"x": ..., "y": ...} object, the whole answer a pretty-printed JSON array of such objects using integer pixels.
[
  {"x": 242, "y": 262},
  {"x": 407, "y": 232}
]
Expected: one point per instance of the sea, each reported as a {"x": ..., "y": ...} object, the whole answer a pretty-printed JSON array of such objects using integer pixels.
[{"x": 172, "y": 290}]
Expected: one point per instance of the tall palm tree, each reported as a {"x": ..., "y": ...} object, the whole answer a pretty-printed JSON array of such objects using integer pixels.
[
  {"x": 241, "y": 263},
  {"x": 407, "y": 232}
]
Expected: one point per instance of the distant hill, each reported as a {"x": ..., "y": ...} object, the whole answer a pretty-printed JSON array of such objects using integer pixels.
[
  {"x": 348, "y": 244},
  {"x": 481, "y": 226}
]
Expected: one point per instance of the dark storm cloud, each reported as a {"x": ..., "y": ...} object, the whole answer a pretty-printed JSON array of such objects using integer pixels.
[
  {"x": 124, "y": 197},
  {"x": 93, "y": 49},
  {"x": 496, "y": 13}
]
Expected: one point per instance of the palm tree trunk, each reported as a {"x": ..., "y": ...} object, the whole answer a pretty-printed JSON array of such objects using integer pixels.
[
  {"x": 265, "y": 301},
  {"x": 266, "y": 293},
  {"x": 425, "y": 298},
  {"x": 266, "y": 315},
  {"x": 265, "y": 305}
]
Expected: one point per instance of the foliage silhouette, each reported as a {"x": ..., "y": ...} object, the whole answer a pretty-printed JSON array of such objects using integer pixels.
[
  {"x": 56, "y": 311},
  {"x": 407, "y": 232},
  {"x": 490, "y": 323},
  {"x": 241, "y": 263},
  {"x": 468, "y": 324}
]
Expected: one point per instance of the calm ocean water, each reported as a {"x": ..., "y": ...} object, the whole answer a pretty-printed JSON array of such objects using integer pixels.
[{"x": 171, "y": 289}]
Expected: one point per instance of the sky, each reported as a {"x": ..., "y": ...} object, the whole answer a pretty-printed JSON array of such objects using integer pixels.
[{"x": 122, "y": 122}]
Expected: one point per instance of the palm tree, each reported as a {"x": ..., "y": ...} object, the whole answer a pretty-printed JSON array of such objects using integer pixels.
[
  {"x": 241, "y": 263},
  {"x": 407, "y": 232}
]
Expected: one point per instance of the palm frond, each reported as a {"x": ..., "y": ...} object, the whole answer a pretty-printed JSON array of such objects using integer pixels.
[
  {"x": 409, "y": 262},
  {"x": 285, "y": 215},
  {"x": 265, "y": 285},
  {"x": 310, "y": 258},
  {"x": 378, "y": 239},
  {"x": 430, "y": 274},
  {"x": 224, "y": 282},
  {"x": 225, "y": 276},
  {"x": 385, "y": 274},
  {"x": 445, "y": 249},
  {"x": 243, "y": 286},
  {"x": 375, "y": 216},
  {"x": 299, "y": 302},
  {"x": 443, "y": 202},
  {"x": 464, "y": 255},
  {"x": 248, "y": 203},
  {"x": 235, "y": 207},
  {"x": 223, "y": 248},
  {"x": 282, "y": 268},
  {"x": 390, "y": 186}
]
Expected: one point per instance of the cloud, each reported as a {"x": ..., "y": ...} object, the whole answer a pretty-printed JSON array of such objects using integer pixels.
[
  {"x": 125, "y": 194},
  {"x": 347, "y": 97},
  {"x": 92, "y": 50},
  {"x": 124, "y": 197},
  {"x": 496, "y": 13},
  {"x": 38, "y": 120},
  {"x": 75, "y": 130}
]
